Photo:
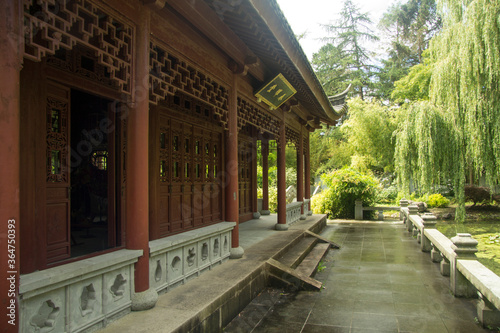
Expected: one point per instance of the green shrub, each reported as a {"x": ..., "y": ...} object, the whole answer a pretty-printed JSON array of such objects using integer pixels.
[
  {"x": 437, "y": 200},
  {"x": 273, "y": 198},
  {"x": 387, "y": 195},
  {"x": 344, "y": 187},
  {"x": 322, "y": 202},
  {"x": 477, "y": 194}
]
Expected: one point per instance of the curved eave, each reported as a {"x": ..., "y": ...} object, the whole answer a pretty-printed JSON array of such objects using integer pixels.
[
  {"x": 338, "y": 101},
  {"x": 272, "y": 15}
]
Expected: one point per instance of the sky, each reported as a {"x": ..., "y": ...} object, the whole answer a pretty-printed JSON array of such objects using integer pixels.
[{"x": 308, "y": 16}]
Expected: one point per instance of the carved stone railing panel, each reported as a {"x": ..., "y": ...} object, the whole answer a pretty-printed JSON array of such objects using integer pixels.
[
  {"x": 78, "y": 296},
  {"x": 52, "y": 25},
  {"x": 170, "y": 74},
  {"x": 185, "y": 256},
  {"x": 293, "y": 212}
]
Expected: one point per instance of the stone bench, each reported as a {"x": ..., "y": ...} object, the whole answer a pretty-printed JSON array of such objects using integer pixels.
[{"x": 359, "y": 209}]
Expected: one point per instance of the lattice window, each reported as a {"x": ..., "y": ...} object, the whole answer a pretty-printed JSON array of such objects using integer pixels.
[
  {"x": 196, "y": 109},
  {"x": 52, "y": 25},
  {"x": 250, "y": 114},
  {"x": 83, "y": 62},
  {"x": 292, "y": 136},
  {"x": 57, "y": 140},
  {"x": 169, "y": 74}
]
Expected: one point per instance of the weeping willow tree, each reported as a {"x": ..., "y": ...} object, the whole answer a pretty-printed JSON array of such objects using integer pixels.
[
  {"x": 426, "y": 148},
  {"x": 464, "y": 92}
]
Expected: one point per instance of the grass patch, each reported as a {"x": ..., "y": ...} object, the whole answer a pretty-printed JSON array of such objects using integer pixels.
[{"x": 488, "y": 236}]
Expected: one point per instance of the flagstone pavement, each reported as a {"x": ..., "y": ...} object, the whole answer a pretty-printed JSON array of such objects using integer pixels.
[{"x": 379, "y": 281}]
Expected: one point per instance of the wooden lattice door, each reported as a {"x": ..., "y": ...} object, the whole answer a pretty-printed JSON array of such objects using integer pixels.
[
  {"x": 186, "y": 193},
  {"x": 57, "y": 173},
  {"x": 245, "y": 177}
]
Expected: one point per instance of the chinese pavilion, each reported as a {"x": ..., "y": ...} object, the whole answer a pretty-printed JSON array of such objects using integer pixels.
[{"x": 129, "y": 132}]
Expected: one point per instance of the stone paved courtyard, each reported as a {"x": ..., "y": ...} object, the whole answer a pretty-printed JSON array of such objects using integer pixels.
[{"x": 379, "y": 281}]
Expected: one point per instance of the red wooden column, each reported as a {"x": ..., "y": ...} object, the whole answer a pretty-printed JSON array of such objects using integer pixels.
[
  {"x": 300, "y": 174},
  {"x": 255, "y": 209},
  {"x": 282, "y": 225},
  {"x": 10, "y": 67},
  {"x": 307, "y": 176},
  {"x": 265, "y": 176},
  {"x": 231, "y": 200},
  {"x": 137, "y": 168}
]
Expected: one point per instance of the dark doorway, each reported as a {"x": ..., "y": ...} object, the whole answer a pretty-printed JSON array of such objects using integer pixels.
[{"x": 92, "y": 174}]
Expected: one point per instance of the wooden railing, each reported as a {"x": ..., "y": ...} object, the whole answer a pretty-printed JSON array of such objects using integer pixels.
[{"x": 457, "y": 258}]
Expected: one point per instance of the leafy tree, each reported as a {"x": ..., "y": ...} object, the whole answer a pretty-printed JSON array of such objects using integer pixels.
[
  {"x": 425, "y": 150},
  {"x": 364, "y": 141},
  {"x": 409, "y": 27},
  {"x": 345, "y": 59},
  {"x": 369, "y": 130},
  {"x": 328, "y": 150},
  {"x": 466, "y": 81},
  {"x": 421, "y": 22},
  {"x": 344, "y": 187},
  {"x": 414, "y": 86}
]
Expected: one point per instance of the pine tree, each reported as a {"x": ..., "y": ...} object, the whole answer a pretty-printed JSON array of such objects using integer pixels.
[
  {"x": 345, "y": 59},
  {"x": 409, "y": 27}
]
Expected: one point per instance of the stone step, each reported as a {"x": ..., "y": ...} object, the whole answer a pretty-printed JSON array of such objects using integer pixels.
[
  {"x": 294, "y": 256},
  {"x": 284, "y": 276},
  {"x": 295, "y": 266},
  {"x": 310, "y": 263}
]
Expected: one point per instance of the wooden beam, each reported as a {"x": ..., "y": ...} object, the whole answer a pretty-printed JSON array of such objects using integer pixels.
[
  {"x": 159, "y": 4},
  {"x": 200, "y": 15}
]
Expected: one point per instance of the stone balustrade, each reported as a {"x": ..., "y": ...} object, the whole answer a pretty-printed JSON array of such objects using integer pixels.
[
  {"x": 83, "y": 295},
  {"x": 291, "y": 194},
  {"x": 468, "y": 277},
  {"x": 293, "y": 212},
  {"x": 174, "y": 260},
  {"x": 307, "y": 206},
  {"x": 359, "y": 209}
]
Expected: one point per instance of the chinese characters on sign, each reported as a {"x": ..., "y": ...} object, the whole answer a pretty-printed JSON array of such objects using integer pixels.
[{"x": 276, "y": 92}]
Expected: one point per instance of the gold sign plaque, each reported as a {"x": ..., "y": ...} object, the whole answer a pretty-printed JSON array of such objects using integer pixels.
[{"x": 276, "y": 92}]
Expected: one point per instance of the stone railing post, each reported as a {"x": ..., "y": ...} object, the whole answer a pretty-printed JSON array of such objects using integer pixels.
[
  {"x": 429, "y": 222},
  {"x": 412, "y": 210},
  {"x": 436, "y": 254},
  {"x": 307, "y": 205},
  {"x": 358, "y": 210},
  {"x": 403, "y": 203},
  {"x": 304, "y": 210},
  {"x": 465, "y": 247},
  {"x": 487, "y": 313}
]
